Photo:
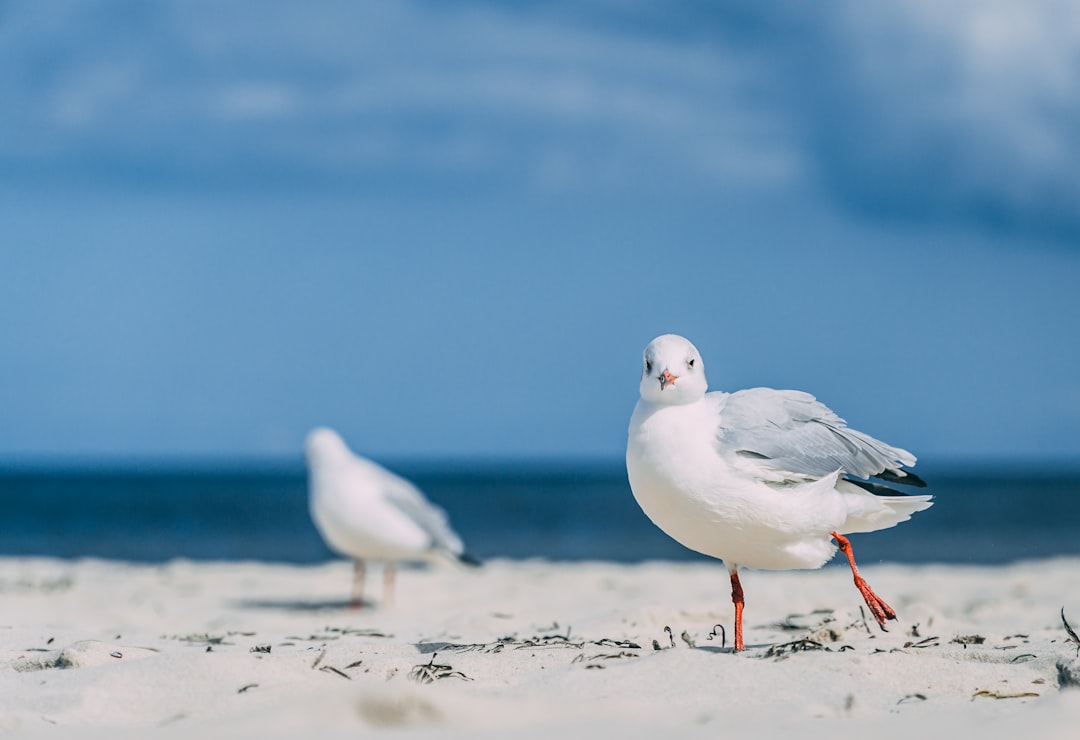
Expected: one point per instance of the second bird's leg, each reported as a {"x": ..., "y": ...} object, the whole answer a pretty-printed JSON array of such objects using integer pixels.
[
  {"x": 738, "y": 601},
  {"x": 878, "y": 607},
  {"x": 357, "y": 599},
  {"x": 388, "y": 584}
]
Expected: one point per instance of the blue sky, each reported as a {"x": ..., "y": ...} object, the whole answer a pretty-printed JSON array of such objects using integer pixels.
[{"x": 449, "y": 230}]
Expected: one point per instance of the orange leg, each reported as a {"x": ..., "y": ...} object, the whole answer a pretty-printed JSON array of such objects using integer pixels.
[
  {"x": 357, "y": 600},
  {"x": 878, "y": 607},
  {"x": 738, "y": 601}
]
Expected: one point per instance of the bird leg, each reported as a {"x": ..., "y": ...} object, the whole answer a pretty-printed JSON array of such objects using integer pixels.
[
  {"x": 738, "y": 601},
  {"x": 388, "y": 584},
  {"x": 878, "y": 607},
  {"x": 357, "y": 600}
]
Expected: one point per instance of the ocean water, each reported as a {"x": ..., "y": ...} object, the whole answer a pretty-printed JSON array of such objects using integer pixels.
[{"x": 565, "y": 513}]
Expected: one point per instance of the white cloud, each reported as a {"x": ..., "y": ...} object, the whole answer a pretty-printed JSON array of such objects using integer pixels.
[
  {"x": 963, "y": 111},
  {"x": 978, "y": 100},
  {"x": 462, "y": 84}
]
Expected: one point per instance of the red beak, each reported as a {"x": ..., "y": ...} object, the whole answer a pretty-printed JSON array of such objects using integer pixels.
[{"x": 666, "y": 379}]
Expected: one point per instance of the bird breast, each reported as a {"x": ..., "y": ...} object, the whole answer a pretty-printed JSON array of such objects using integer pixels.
[{"x": 694, "y": 495}]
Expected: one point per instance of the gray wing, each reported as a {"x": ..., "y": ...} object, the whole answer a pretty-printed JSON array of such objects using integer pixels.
[
  {"x": 429, "y": 517},
  {"x": 791, "y": 431}
]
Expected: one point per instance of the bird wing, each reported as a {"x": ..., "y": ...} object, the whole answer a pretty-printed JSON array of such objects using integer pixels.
[
  {"x": 793, "y": 432},
  {"x": 408, "y": 499}
]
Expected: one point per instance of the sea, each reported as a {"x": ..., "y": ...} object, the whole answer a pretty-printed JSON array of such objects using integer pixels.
[{"x": 568, "y": 512}]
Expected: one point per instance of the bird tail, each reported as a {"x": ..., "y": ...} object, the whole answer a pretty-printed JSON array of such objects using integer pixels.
[
  {"x": 467, "y": 559},
  {"x": 870, "y": 512},
  {"x": 456, "y": 558}
]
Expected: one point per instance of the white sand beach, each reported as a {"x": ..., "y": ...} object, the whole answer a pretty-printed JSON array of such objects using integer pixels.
[{"x": 92, "y": 648}]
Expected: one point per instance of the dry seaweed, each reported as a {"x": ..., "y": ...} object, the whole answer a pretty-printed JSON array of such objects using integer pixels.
[
  {"x": 603, "y": 656},
  {"x": 801, "y": 646},
  {"x": 926, "y": 642},
  {"x": 547, "y": 641},
  {"x": 608, "y": 642},
  {"x": 789, "y": 648},
  {"x": 966, "y": 640},
  {"x": 201, "y": 638},
  {"x": 792, "y": 622},
  {"x": 531, "y": 643},
  {"x": 475, "y": 647},
  {"x": 431, "y": 671},
  {"x": 352, "y": 631},
  {"x": 1000, "y": 695},
  {"x": 1023, "y": 658}
]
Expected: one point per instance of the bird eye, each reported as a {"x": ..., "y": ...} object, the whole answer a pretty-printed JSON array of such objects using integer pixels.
[
  {"x": 648, "y": 367},
  {"x": 691, "y": 363}
]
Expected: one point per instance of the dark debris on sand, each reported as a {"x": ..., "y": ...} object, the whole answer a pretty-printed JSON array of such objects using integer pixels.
[{"x": 431, "y": 672}]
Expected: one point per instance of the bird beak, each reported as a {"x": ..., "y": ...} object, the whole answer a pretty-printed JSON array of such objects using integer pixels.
[{"x": 666, "y": 379}]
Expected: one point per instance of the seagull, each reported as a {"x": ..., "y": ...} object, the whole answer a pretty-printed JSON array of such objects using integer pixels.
[
  {"x": 759, "y": 478},
  {"x": 365, "y": 512}
]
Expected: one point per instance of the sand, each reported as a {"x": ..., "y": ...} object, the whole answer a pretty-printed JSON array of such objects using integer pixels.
[{"x": 534, "y": 648}]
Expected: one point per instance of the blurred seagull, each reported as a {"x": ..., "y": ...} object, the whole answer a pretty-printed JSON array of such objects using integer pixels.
[
  {"x": 759, "y": 478},
  {"x": 365, "y": 512}
]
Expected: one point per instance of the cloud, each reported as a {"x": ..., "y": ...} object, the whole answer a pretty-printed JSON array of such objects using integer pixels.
[
  {"x": 961, "y": 113},
  {"x": 382, "y": 87}
]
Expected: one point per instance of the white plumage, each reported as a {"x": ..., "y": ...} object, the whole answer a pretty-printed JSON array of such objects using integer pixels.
[
  {"x": 760, "y": 478},
  {"x": 365, "y": 512}
]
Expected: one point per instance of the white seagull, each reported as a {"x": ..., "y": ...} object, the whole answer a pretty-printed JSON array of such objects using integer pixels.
[
  {"x": 365, "y": 512},
  {"x": 760, "y": 478}
]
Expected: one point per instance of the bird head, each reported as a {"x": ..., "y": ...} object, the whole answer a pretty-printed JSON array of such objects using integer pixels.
[
  {"x": 324, "y": 445},
  {"x": 672, "y": 371}
]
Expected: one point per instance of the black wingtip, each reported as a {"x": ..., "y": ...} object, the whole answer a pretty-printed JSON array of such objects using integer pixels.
[
  {"x": 876, "y": 488},
  {"x": 907, "y": 478},
  {"x": 467, "y": 559}
]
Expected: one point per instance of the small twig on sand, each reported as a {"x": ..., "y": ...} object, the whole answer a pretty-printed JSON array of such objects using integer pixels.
[
  {"x": 862, "y": 613},
  {"x": 1000, "y": 695},
  {"x": 912, "y": 698},
  {"x": 923, "y": 643},
  {"x": 723, "y": 634},
  {"x": 331, "y": 669},
  {"x": 1072, "y": 633}
]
